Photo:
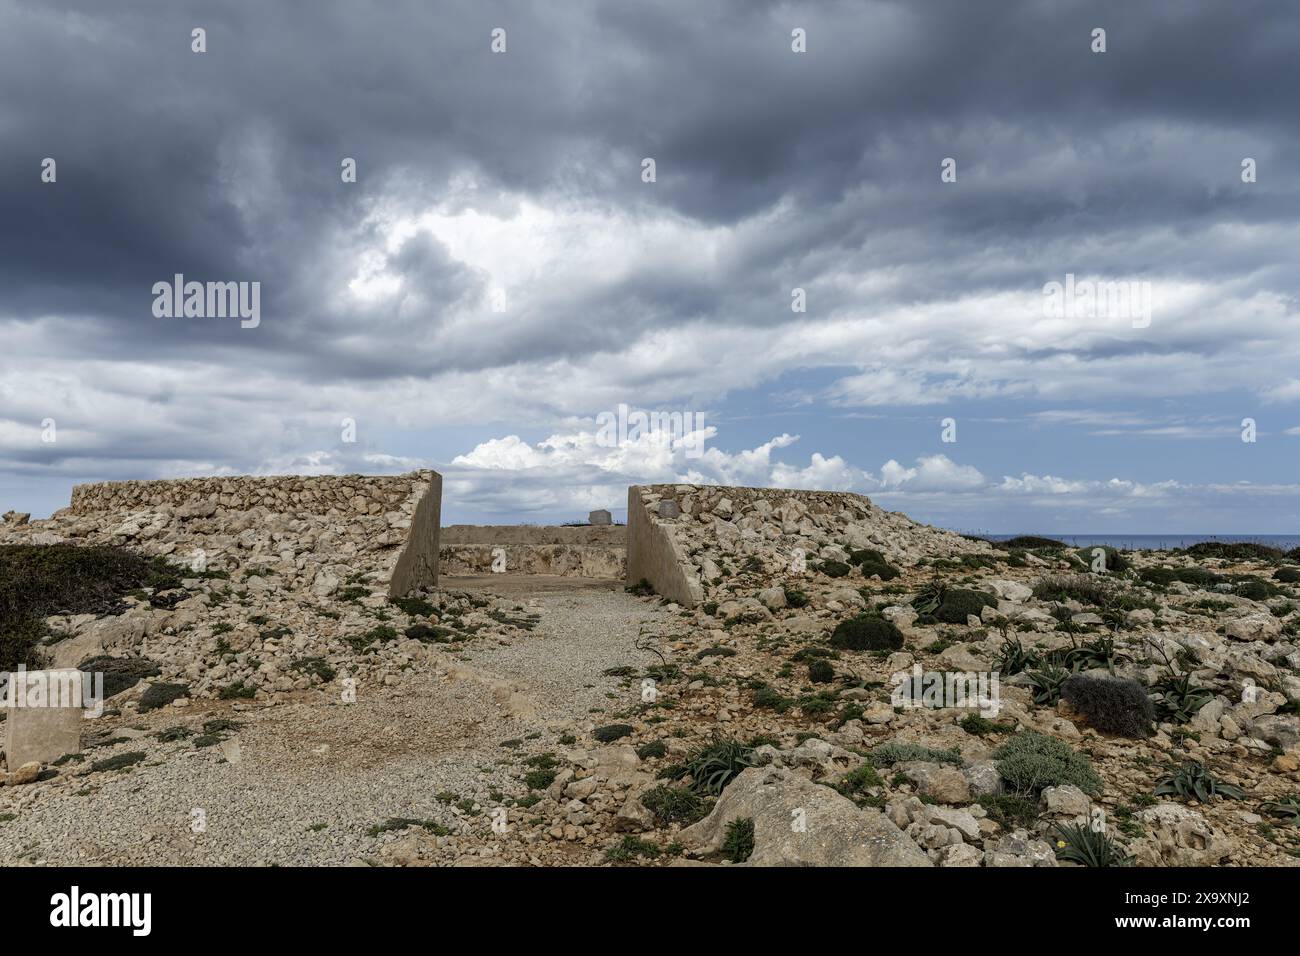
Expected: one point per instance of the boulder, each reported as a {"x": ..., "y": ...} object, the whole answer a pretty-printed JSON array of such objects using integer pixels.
[
  {"x": 1179, "y": 836},
  {"x": 835, "y": 831}
]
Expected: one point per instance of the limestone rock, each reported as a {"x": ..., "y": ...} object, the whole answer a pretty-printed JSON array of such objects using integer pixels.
[{"x": 836, "y": 832}]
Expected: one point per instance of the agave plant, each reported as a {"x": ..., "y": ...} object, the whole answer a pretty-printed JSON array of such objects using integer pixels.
[
  {"x": 1096, "y": 653},
  {"x": 929, "y": 598},
  {"x": 1288, "y": 810},
  {"x": 1077, "y": 843},
  {"x": 1014, "y": 658},
  {"x": 711, "y": 768},
  {"x": 1047, "y": 684},
  {"x": 1177, "y": 700},
  {"x": 1192, "y": 780}
]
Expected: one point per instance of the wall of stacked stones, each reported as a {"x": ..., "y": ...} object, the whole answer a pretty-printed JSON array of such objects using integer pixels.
[
  {"x": 727, "y": 500},
  {"x": 321, "y": 494}
]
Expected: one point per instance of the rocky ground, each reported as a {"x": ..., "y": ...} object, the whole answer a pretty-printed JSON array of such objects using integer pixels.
[{"x": 547, "y": 722}]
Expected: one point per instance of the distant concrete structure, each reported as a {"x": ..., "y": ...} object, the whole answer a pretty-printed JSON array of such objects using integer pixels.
[
  {"x": 600, "y": 517},
  {"x": 38, "y": 731},
  {"x": 578, "y": 551}
]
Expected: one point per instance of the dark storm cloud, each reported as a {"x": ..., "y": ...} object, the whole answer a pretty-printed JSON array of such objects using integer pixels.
[{"x": 225, "y": 165}]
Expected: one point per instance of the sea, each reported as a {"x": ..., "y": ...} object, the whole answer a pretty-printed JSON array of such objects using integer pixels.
[{"x": 1158, "y": 542}]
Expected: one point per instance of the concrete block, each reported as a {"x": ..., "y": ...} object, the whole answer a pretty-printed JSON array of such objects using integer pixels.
[
  {"x": 600, "y": 517},
  {"x": 37, "y": 730}
]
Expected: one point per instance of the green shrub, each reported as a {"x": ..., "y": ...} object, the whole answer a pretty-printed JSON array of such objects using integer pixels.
[
  {"x": 1196, "y": 577},
  {"x": 540, "y": 778},
  {"x": 1113, "y": 706},
  {"x": 1255, "y": 589},
  {"x": 119, "y": 762},
  {"x": 821, "y": 671},
  {"x": 653, "y": 750},
  {"x": 1084, "y": 588},
  {"x": 871, "y": 563},
  {"x": 1287, "y": 575},
  {"x": 120, "y": 673},
  {"x": 865, "y": 632},
  {"x": 958, "y": 603},
  {"x": 1241, "y": 551},
  {"x": 37, "y": 581},
  {"x": 414, "y": 606},
  {"x": 1031, "y": 761},
  {"x": 771, "y": 699},
  {"x": 316, "y": 666},
  {"x": 612, "y": 732},
  {"x": 1114, "y": 560},
  {"x": 238, "y": 691},
  {"x": 674, "y": 805},
  {"x": 979, "y": 726},
  {"x": 796, "y": 598},
  {"x": 738, "y": 844},
  {"x": 1029, "y": 542},
  {"x": 160, "y": 695},
  {"x": 1011, "y": 811},
  {"x": 857, "y": 782},
  {"x": 886, "y": 755},
  {"x": 629, "y": 848},
  {"x": 834, "y": 569}
]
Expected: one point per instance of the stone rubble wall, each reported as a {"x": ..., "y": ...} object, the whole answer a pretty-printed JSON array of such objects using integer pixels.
[
  {"x": 291, "y": 494},
  {"x": 679, "y": 555},
  {"x": 590, "y": 551},
  {"x": 610, "y": 536},
  {"x": 230, "y": 517}
]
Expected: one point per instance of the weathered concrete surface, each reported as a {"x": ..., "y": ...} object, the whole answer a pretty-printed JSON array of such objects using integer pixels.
[
  {"x": 834, "y": 832},
  {"x": 43, "y": 733},
  {"x": 654, "y": 556},
  {"x": 417, "y": 567}
]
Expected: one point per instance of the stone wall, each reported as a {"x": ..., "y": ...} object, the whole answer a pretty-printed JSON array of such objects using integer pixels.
[
  {"x": 587, "y": 551},
  {"x": 679, "y": 536},
  {"x": 612, "y": 536},
  {"x": 293, "y": 494}
]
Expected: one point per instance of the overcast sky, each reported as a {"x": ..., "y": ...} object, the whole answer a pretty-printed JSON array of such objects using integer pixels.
[{"x": 500, "y": 273}]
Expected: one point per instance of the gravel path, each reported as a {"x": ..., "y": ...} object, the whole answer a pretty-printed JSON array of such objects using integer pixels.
[
  {"x": 585, "y": 629},
  {"x": 315, "y": 774}
]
